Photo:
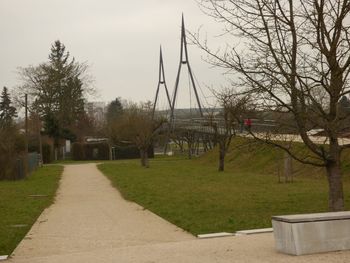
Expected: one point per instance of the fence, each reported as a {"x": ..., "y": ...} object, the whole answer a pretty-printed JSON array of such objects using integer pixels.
[{"x": 34, "y": 161}]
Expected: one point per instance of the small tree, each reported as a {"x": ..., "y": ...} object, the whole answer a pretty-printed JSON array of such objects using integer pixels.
[
  {"x": 114, "y": 110},
  {"x": 137, "y": 125},
  {"x": 234, "y": 107},
  {"x": 190, "y": 138}
]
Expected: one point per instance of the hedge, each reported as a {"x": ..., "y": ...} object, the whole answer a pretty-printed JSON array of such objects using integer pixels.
[
  {"x": 47, "y": 153},
  {"x": 90, "y": 151},
  {"x": 130, "y": 152}
]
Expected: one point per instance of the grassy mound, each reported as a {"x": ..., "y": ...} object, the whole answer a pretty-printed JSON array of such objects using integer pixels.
[{"x": 246, "y": 155}]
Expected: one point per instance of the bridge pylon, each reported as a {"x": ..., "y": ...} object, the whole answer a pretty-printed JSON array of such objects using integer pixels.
[
  {"x": 161, "y": 81},
  {"x": 184, "y": 61}
]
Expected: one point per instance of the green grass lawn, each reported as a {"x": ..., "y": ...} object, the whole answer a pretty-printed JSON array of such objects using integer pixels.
[
  {"x": 194, "y": 196},
  {"x": 17, "y": 208}
]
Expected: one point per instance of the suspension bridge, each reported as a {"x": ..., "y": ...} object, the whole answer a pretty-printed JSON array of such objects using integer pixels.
[{"x": 196, "y": 125}]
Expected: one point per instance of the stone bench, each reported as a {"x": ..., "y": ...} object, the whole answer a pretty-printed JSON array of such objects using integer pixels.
[{"x": 312, "y": 233}]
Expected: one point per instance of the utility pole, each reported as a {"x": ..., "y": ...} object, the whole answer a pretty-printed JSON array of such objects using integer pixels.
[
  {"x": 26, "y": 132},
  {"x": 39, "y": 137},
  {"x": 26, "y": 121}
]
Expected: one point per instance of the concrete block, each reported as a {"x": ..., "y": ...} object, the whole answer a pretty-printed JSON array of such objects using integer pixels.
[
  {"x": 312, "y": 233},
  {"x": 3, "y": 257}
]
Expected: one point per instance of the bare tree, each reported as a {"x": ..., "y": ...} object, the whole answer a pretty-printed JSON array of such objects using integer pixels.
[
  {"x": 177, "y": 139},
  {"x": 137, "y": 125},
  {"x": 234, "y": 108},
  {"x": 292, "y": 57},
  {"x": 190, "y": 138}
]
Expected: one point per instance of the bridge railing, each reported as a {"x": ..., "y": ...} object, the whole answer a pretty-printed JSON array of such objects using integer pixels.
[{"x": 206, "y": 126}]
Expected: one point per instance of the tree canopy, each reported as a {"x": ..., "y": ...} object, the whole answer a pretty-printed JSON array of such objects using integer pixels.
[
  {"x": 114, "y": 110},
  {"x": 57, "y": 89}
]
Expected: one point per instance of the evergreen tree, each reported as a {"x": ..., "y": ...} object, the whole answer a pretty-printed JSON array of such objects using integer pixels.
[
  {"x": 58, "y": 88},
  {"x": 7, "y": 111},
  {"x": 114, "y": 110}
]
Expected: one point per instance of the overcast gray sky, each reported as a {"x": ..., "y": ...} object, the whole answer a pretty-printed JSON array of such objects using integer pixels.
[{"x": 119, "y": 39}]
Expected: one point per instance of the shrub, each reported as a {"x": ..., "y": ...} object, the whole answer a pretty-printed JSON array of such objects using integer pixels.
[
  {"x": 47, "y": 153},
  {"x": 126, "y": 152},
  {"x": 78, "y": 151},
  {"x": 12, "y": 144},
  {"x": 90, "y": 151},
  {"x": 130, "y": 152},
  {"x": 96, "y": 151}
]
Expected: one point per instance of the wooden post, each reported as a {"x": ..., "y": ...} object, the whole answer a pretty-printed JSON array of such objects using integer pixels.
[{"x": 287, "y": 167}]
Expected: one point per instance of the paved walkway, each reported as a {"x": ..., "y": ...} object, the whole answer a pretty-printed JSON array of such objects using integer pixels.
[
  {"x": 90, "y": 222},
  {"x": 89, "y": 214}
]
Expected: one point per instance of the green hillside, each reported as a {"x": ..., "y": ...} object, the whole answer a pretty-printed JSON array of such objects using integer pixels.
[{"x": 246, "y": 155}]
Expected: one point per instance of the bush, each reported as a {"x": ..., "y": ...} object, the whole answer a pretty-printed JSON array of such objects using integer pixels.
[
  {"x": 90, "y": 151},
  {"x": 33, "y": 144},
  {"x": 130, "y": 152},
  {"x": 78, "y": 151},
  {"x": 47, "y": 153},
  {"x": 126, "y": 152},
  {"x": 12, "y": 144},
  {"x": 151, "y": 152},
  {"x": 96, "y": 151}
]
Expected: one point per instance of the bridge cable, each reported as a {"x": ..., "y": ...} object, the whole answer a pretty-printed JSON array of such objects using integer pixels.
[
  {"x": 201, "y": 90},
  {"x": 189, "y": 89}
]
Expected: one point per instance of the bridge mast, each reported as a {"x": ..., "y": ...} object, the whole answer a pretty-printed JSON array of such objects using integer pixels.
[
  {"x": 161, "y": 81},
  {"x": 184, "y": 60}
]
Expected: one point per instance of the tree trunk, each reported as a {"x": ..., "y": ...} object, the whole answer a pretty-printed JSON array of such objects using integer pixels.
[
  {"x": 165, "y": 151},
  {"x": 56, "y": 153},
  {"x": 222, "y": 153},
  {"x": 146, "y": 161},
  {"x": 189, "y": 145},
  {"x": 335, "y": 184},
  {"x": 64, "y": 152},
  {"x": 144, "y": 158},
  {"x": 40, "y": 145}
]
